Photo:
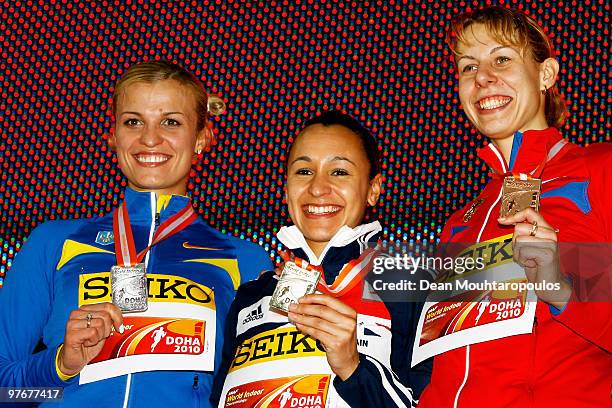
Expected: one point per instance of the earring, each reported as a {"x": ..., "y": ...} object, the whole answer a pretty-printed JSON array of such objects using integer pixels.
[
  {"x": 199, "y": 151},
  {"x": 544, "y": 90}
]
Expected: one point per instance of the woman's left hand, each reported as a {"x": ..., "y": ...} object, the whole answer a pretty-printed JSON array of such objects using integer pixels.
[
  {"x": 334, "y": 324},
  {"x": 534, "y": 245}
]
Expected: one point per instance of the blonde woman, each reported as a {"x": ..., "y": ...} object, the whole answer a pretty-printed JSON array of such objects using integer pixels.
[{"x": 59, "y": 287}]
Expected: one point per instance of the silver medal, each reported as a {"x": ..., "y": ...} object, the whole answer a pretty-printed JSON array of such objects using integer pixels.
[
  {"x": 129, "y": 287},
  {"x": 293, "y": 283}
]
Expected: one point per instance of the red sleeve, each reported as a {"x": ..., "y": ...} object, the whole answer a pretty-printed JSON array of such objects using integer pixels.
[
  {"x": 590, "y": 320},
  {"x": 589, "y": 310},
  {"x": 598, "y": 158}
]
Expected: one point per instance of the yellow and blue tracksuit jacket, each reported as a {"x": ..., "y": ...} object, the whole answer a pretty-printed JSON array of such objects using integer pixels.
[{"x": 64, "y": 264}]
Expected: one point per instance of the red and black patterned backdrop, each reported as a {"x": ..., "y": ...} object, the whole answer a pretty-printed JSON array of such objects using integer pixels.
[{"x": 276, "y": 64}]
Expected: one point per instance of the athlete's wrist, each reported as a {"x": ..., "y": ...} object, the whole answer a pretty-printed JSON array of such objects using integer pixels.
[
  {"x": 62, "y": 371},
  {"x": 348, "y": 369}
]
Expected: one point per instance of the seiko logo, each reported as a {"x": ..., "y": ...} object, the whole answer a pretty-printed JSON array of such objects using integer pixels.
[
  {"x": 96, "y": 288},
  {"x": 276, "y": 344},
  {"x": 255, "y": 314}
]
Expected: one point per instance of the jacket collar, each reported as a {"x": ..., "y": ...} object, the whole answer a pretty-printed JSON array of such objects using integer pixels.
[
  {"x": 345, "y": 245},
  {"x": 530, "y": 151},
  {"x": 143, "y": 206},
  {"x": 293, "y": 239}
]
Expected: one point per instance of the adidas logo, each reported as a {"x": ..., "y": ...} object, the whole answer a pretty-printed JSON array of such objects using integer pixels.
[{"x": 255, "y": 314}]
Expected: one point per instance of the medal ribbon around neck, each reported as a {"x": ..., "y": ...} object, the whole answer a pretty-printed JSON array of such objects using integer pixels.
[
  {"x": 350, "y": 275},
  {"x": 125, "y": 249},
  {"x": 535, "y": 173}
]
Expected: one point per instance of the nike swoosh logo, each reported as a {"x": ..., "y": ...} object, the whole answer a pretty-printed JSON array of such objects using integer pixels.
[{"x": 188, "y": 246}]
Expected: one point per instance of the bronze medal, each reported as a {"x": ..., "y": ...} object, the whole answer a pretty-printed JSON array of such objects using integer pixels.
[
  {"x": 216, "y": 105},
  {"x": 518, "y": 195}
]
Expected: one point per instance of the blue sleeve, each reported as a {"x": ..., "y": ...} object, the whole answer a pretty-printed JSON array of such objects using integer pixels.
[
  {"x": 405, "y": 319},
  {"x": 252, "y": 261},
  {"x": 227, "y": 353},
  {"x": 25, "y": 306},
  {"x": 373, "y": 385},
  {"x": 405, "y": 311},
  {"x": 554, "y": 311}
]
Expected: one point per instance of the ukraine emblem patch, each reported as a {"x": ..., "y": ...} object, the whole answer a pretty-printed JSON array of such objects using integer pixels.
[{"x": 105, "y": 238}]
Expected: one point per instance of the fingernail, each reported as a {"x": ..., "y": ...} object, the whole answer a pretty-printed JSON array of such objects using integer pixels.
[
  {"x": 121, "y": 329},
  {"x": 292, "y": 306}
]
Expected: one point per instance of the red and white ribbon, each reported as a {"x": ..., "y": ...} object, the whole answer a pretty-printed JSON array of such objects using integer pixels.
[
  {"x": 351, "y": 274},
  {"x": 125, "y": 248}
]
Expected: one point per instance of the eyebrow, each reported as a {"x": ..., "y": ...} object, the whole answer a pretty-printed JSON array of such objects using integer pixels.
[
  {"x": 493, "y": 51},
  {"x": 164, "y": 113},
  {"x": 344, "y": 159},
  {"x": 305, "y": 158},
  {"x": 335, "y": 158}
]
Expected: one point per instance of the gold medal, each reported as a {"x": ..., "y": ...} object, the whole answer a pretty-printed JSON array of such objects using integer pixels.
[{"x": 518, "y": 195}]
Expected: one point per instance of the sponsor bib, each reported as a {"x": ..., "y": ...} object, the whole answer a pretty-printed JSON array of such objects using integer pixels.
[
  {"x": 253, "y": 379},
  {"x": 176, "y": 332},
  {"x": 298, "y": 391},
  {"x": 483, "y": 305}
]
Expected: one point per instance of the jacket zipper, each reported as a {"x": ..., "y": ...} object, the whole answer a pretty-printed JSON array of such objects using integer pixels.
[
  {"x": 467, "y": 348},
  {"x": 196, "y": 386},
  {"x": 154, "y": 224},
  {"x": 530, "y": 382}
]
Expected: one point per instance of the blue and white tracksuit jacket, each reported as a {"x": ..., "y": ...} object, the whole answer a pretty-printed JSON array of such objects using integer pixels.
[{"x": 64, "y": 263}]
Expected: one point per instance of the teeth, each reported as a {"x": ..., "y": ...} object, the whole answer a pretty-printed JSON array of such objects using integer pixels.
[
  {"x": 493, "y": 102},
  {"x": 327, "y": 209},
  {"x": 151, "y": 158}
]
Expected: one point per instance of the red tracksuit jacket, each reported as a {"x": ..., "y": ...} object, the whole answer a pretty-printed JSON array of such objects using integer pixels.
[{"x": 566, "y": 361}]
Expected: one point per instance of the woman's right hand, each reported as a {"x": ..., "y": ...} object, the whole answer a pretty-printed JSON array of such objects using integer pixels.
[
  {"x": 82, "y": 343},
  {"x": 334, "y": 324}
]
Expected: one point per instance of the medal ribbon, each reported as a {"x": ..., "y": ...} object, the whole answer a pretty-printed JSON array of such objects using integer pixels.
[
  {"x": 535, "y": 173},
  {"x": 125, "y": 249},
  {"x": 350, "y": 275}
]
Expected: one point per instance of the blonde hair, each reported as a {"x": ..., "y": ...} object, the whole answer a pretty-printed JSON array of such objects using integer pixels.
[
  {"x": 161, "y": 70},
  {"x": 513, "y": 27}
]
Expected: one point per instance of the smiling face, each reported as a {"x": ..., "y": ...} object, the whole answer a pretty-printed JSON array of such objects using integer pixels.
[
  {"x": 499, "y": 88},
  {"x": 156, "y": 136},
  {"x": 328, "y": 184}
]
